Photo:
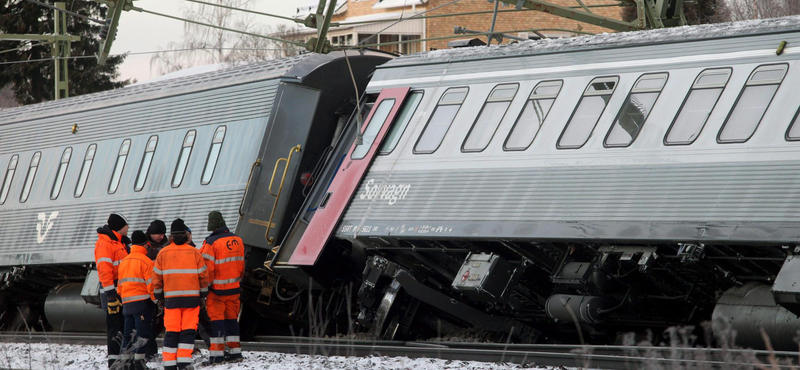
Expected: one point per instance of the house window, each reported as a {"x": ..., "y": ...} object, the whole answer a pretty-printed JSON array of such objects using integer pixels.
[{"x": 410, "y": 47}]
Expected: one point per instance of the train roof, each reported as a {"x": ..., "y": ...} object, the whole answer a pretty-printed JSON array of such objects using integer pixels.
[
  {"x": 293, "y": 68},
  {"x": 603, "y": 41}
]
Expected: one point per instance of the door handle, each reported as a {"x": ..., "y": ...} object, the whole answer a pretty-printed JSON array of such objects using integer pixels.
[{"x": 288, "y": 161}]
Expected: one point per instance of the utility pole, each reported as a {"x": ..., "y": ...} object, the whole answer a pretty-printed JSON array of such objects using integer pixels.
[{"x": 60, "y": 41}]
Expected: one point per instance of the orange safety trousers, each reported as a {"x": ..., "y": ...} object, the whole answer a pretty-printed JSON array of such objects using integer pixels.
[
  {"x": 223, "y": 310},
  {"x": 181, "y": 329}
]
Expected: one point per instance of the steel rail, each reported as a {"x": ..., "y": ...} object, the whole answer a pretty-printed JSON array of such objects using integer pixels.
[{"x": 594, "y": 356}]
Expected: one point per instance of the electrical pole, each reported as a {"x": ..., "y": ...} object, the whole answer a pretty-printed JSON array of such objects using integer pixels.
[{"x": 60, "y": 41}]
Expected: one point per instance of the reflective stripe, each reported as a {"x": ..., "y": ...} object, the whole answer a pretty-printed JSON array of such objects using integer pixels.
[
  {"x": 204, "y": 289},
  {"x": 131, "y": 280},
  {"x": 217, "y": 340},
  {"x": 185, "y": 345},
  {"x": 235, "y": 351},
  {"x": 156, "y": 270},
  {"x": 135, "y": 298},
  {"x": 139, "y": 356},
  {"x": 169, "y": 350},
  {"x": 217, "y": 353},
  {"x": 170, "y": 363},
  {"x": 109, "y": 288},
  {"x": 150, "y": 280},
  {"x": 181, "y": 271},
  {"x": 181, "y": 292},
  {"x": 126, "y": 356},
  {"x": 229, "y": 259},
  {"x": 158, "y": 291},
  {"x": 227, "y": 281},
  {"x": 113, "y": 357},
  {"x": 209, "y": 257},
  {"x": 105, "y": 259},
  {"x": 116, "y": 263},
  {"x": 232, "y": 338},
  {"x": 184, "y": 360}
]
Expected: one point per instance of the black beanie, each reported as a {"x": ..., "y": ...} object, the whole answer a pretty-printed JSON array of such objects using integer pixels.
[
  {"x": 178, "y": 227},
  {"x": 215, "y": 220},
  {"x": 116, "y": 222},
  {"x": 157, "y": 227},
  {"x": 139, "y": 238}
]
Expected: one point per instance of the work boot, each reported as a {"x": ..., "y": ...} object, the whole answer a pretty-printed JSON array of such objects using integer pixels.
[{"x": 233, "y": 357}]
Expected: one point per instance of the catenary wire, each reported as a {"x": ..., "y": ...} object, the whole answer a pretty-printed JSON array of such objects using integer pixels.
[
  {"x": 139, "y": 53},
  {"x": 67, "y": 12},
  {"x": 246, "y": 10},
  {"x": 27, "y": 44}
]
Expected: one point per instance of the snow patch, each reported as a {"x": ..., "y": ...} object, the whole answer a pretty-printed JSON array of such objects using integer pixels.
[{"x": 51, "y": 356}]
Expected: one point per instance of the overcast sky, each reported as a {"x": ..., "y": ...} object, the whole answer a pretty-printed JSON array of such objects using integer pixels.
[{"x": 139, "y": 32}]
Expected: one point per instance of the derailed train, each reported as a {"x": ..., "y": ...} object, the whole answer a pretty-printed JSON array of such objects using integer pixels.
[{"x": 540, "y": 191}]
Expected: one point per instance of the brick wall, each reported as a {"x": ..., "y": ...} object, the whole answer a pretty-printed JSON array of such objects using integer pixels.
[{"x": 437, "y": 27}]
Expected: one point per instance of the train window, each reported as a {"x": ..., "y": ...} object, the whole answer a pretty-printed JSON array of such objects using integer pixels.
[
  {"x": 373, "y": 127},
  {"x": 586, "y": 115},
  {"x": 753, "y": 102},
  {"x": 10, "y": 171},
  {"x": 533, "y": 115},
  {"x": 183, "y": 159},
  {"x": 147, "y": 160},
  {"x": 397, "y": 129},
  {"x": 213, "y": 155},
  {"x": 792, "y": 134},
  {"x": 489, "y": 118},
  {"x": 85, "y": 169},
  {"x": 441, "y": 119},
  {"x": 122, "y": 157},
  {"x": 34, "y": 167},
  {"x": 697, "y": 107},
  {"x": 635, "y": 110},
  {"x": 62, "y": 171}
]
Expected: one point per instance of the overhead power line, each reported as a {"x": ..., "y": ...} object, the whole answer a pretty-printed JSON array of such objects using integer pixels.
[
  {"x": 247, "y": 11},
  {"x": 140, "y": 53},
  {"x": 27, "y": 44},
  {"x": 67, "y": 12},
  {"x": 219, "y": 27}
]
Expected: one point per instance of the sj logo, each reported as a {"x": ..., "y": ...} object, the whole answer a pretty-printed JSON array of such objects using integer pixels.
[{"x": 44, "y": 225}]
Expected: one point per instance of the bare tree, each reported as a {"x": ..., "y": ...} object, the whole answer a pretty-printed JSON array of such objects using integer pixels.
[
  {"x": 202, "y": 45},
  {"x": 738, "y": 10}
]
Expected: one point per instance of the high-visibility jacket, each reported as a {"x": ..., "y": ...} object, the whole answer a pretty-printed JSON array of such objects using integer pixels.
[
  {"x": 224, "y": 255},
  {"x": 179, "y": 276},
  {"x": 135, "y": 276},
  {"x": 108, "y": 252}
]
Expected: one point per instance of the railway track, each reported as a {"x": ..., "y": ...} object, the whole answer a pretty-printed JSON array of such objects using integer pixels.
[{"x": 593, "y": 356}]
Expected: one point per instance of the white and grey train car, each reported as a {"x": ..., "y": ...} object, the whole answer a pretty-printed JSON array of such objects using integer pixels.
[
  {"x": 174, "y": 148},
  {"x": 626, "y": 180}
]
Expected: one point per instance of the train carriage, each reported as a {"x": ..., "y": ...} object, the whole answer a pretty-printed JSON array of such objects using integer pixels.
[
  {"x": 178, "y": 147},
  {"x": 618, "y": 181}
]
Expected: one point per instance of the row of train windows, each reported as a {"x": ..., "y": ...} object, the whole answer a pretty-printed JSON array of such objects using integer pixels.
[
  {"x": 116, "y": 175},
  {"x": 686, "y": 126}
]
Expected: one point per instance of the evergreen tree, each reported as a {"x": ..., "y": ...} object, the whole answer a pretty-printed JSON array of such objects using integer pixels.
[{"x": 33, "y": 81}]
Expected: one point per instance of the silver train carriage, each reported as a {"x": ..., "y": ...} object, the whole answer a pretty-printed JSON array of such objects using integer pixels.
[
  {"x": 616, "y": 181},
  {"x": 173, "y": 148}
]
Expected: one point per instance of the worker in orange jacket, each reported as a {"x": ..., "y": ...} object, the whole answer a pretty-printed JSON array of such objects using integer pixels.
[
  {"x": 224, "y": 255},
  {"x": 180, "y": 282},
  {"x": 135, "y": 285},
  {"x": 109, "y": 250}
]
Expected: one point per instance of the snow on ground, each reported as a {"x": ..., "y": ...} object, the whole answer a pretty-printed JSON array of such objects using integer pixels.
[{"x": 48, "y": 356}]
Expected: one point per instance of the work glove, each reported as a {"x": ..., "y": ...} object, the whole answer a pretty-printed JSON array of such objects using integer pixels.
[{"x": 114, "y": 305}]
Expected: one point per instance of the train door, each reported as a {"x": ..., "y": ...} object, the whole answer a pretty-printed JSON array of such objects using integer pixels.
[{"x": 348, "y": 177}]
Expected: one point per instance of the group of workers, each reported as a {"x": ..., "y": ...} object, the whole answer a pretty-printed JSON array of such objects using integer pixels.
[{"x": 151, "y": 278}]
